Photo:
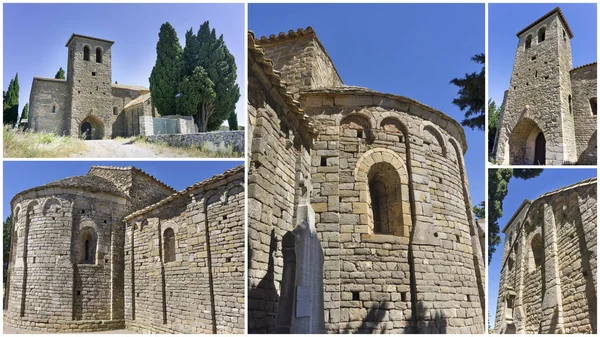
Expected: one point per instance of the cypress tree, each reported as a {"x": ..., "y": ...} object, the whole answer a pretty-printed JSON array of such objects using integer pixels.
[
  {"x": 60, "y": 75},
  {"x": 210, "y": 53},
  {"x": 25, "y": 112},
  {"x": 11, "y": 102},
  {"x": 165, "y": 76}
]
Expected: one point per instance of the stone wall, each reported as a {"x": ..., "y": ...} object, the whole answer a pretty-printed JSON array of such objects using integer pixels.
[
  {"x": 302, "y": 61},
  {"x": 202, "y": 289},
  {"x": 235, "y": 139},
  {"x": 548, "y": 276},
  {"x": 584, "y": 83},
  {"x": 389, "y": 189},
  {"x": 46, "y": 272},
  {"x": 49, "y": 106},
  {"x": 427, "y": 220},
  {"x": 184, "y": 124}
]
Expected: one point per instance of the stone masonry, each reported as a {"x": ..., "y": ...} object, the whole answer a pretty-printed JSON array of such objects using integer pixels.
[
  {"x": 389, "y": 190},
  {"x": 87, "y": 104},
  {"x": 117, "y": 248},
  {"x": 549, "y": 111},
  {"x": 548, "y": 281}
]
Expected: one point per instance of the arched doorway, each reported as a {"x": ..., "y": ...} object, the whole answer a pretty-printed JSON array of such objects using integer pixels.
[
  {"x": 527, "y": 144},
  {"x": 91, "y": 128},
  {"x": 540, "y": 150},
  {"x": 86, "y": 131}
]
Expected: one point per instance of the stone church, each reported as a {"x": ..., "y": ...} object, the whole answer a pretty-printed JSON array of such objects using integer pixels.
[
  {"x": 548, "y": 280},
  {"x": 87, "y": 104},
  {"x": 116, "y": 248},
  {"x": 379, "y": 177},
  {"x": 549, "y": 111}
]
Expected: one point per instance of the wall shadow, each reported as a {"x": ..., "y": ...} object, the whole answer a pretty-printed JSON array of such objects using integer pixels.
[{"x": 263, "y": 300}]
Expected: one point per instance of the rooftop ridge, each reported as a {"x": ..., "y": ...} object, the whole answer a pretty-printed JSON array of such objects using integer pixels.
[
  {"x": 585, "y": 65},
  {"x": 544, "y": 17},
  {"x": 135, "y": 169},
  {"x": 37, "y": 78},
  {"x": 86, "y": 37},
  {"x": 138, "y": 100},
  {"x": 277, "y": 83},
  {"x": 290, "y": 34},
  {"x": 201, "y": 184}
]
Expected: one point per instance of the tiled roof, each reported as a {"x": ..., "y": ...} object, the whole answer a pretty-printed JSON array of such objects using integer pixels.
[
  {"x": 49, "y": 79},
  {"x": 134, "y": 169},
  {"x": 257, "y": 53},
  {"x": 130, "y": 87},
  {"x": 585, "y": 65},
  {"x": 86, "y": 37},
  {"x": 186, "y": 191},
  {"x": 138, "y": 100},
  {"x": 290, "y": 34},
  {"x": 547, "y": 15}
]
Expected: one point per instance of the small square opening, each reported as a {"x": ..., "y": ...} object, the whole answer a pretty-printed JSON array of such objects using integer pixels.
[
  {"x": 323, "y": 161},
  {"x": 355, "y": 296},
  {"x": 93, "y": 73},
  {"x": 359, "y": 133},
  {"x": 403, "y": 296},
  {"x": 533, "y": 58}
]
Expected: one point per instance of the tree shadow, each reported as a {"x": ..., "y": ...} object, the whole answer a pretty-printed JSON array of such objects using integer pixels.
[
  {"x": 263, "y": 300},
  {"x": 372, "y": 323},
  {"x": 431, "y": 321}
]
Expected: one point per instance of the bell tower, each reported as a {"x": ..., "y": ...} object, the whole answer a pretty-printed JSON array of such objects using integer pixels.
[
  {"x": 89, "y": 78},
  {"x": 537, "y": 121}
]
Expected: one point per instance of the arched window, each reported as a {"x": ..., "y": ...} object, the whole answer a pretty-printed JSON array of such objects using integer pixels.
[
  {"x": 98, "y": 55},
  {"x": 87, "y": 245},
  {"x": 386, "y": 200},
  {"x": 541, "y": 34},
  {"x": 528, "y": 42},
  {"x": 168, "y": 245},
  {"x": 594, "y": 106},
  {"x": 570, "y": 105},
  {"x": 86, "y": 53},
  {"x": 537, "y": 252}
]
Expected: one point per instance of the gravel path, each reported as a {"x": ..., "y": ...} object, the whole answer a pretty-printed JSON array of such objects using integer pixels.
[{"x": 108, "y": 148}]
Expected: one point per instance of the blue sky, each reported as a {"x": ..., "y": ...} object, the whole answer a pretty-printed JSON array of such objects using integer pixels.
[
  {"x": 518, "y": 191},
  {"x": 21, "y": 175},
  {"x": 412, "y": 50},
  {"x": 502, "y": 43},
  {"x": 35, "y": 37}
]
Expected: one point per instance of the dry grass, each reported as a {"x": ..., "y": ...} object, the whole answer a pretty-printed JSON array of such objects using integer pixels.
[
  {"x": 18, "y": 144},
  {"x": 205, "y": 151}
]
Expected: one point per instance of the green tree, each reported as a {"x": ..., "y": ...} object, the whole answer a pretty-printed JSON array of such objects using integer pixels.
[
  {"x": 6, "y": 235},
  {"x": 11, "y": 102},
  {"x": 210, "y": 53},
  {"x": 498, "y": 180},
  {"x": 479, "y": 210},
  {"x": 60, "y": 75},
  {"x": 471, "y": 96},
  {"x": 493, "y": 116},
  {"x": 198, "y": 94},
  {"x": 25, "y": 112},
  {"x": 232, "y": 121},
  {"x": 164, "y": 79}
]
